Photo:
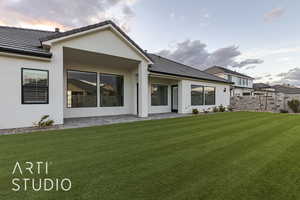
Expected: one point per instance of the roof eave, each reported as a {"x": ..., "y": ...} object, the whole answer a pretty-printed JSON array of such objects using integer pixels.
[
  {"x": 191, "y": 77},
  {"x": 25, "y": 53}
]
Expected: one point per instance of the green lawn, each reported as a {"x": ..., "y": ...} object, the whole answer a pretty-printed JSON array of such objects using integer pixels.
[{"x": 221, "y": 156}]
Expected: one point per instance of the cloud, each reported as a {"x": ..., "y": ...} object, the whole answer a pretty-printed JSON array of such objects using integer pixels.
[
  {"x": 250, "y": 67},
  {"x": 279, "y": 53},
  {"x": 284, "y": 59},
  {"x": 249, "y": 62},
  {"x": 194, "y": 53},
  {"x": 291, "y": 77},
  {"x": 274, "y": 14},
  {"x": 65, "y": 14}
]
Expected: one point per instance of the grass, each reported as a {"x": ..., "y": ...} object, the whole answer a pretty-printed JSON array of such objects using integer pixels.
[{"x": 223, "y": 156}]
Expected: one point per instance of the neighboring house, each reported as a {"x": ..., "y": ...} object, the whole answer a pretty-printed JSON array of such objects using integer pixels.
[
  {"x": 288, "y": 91},
  {"x": 262, "y": 89},
  {"x": 242, "y": 84},
  {"x": 265, "y": 89},
  {"x": 95, "y": 70}
]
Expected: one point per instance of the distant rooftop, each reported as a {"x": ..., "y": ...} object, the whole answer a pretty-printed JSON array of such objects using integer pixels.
[
  {"x": 286, "y": 89},
  {"x": 218, "y": 69},
  {"x": 260, "y": 86}
]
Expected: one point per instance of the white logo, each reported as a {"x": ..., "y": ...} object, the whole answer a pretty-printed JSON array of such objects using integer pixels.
[{"x": 37, "y": 184}]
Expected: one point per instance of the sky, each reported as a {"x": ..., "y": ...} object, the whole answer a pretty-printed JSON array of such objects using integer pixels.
[{"x": 257, "y": 37}]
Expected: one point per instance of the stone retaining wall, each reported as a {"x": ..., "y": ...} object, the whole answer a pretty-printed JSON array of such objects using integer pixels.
[{"x": 273, "y": 103}]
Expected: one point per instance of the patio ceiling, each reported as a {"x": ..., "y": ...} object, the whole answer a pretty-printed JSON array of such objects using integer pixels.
[{"x": 76, "y": 57}]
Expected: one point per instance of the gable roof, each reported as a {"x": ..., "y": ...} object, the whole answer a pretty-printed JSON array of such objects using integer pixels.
[
  {"x": 23, "y": 41},
  {"x": 91, "y": 27},
  {"x": 29, "y": 41},
  {"x": 218, "y": 69},
  {"x": 166, "y": 66}
]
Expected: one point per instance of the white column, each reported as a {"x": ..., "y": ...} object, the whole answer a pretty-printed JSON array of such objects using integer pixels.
[
  {"x": 57, "y": 93},
  {"x": 143, "y": 89},
  {"x": 180, "y": 97}
]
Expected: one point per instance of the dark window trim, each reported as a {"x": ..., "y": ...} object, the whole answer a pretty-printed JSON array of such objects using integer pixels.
[
  {"x": 202, "y": 95},
  {"x": 215, "y": 92},
  {"x": 161, "y": 84},
  {"x": 22, "y": 90},
  {"x": 123, "y": 91},
  {"x": 172, "y": 103},
  {"x": 97, "y": 74}
]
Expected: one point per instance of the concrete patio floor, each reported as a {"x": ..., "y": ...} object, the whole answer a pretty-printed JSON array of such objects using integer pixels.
[{"x": 93, "y": 121}]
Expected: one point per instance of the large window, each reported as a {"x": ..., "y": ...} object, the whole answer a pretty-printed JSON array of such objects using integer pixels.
[
  {"x": 201, "y": 95},
  {"x": 159, "y": 95},
  {"x": 111, "y": 90},
  {"x": 197, "y": 95},
  {"x": 239, "y": 81},
  {"x": 35, "y": 86},
  {"x": 82, "y": 89},
  {"x": 210, "y": 95}
]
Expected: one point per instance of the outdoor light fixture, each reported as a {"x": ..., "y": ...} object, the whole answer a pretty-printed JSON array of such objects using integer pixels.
[{"x": 225, "y": 90}]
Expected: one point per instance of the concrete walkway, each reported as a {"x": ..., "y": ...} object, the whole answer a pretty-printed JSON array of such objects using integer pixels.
[{"x": 93, "y": 121}]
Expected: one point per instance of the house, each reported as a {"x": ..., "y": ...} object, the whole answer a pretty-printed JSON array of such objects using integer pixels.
[
  {"x": 287, "y": 92},
  {"x": 95, "y": 70},
  {"x": 263, "y": 89},
  {"x": 242, "y": 84}
]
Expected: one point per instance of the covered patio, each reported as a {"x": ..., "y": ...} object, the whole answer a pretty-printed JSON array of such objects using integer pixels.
[{"x": 98, "y": 84}]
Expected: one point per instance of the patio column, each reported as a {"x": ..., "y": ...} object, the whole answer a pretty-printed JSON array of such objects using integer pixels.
[
  {"x": 143, "y": 89},
  {"x": 181, "y": 97},
  {"x": 58, "y": 86}
]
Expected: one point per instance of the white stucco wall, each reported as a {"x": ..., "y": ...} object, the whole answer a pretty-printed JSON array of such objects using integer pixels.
[
  {"x": 14, "y": 114},
  {"x": 222, "y": 98}
]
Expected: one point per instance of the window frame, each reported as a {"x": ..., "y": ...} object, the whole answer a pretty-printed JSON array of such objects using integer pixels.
[
  {"x": 203, "y": 100},
  {"x": 203, "y": 95},
  {"x": 99, "y": 90},
  {"x": 22, "y": 86},
  {"x": 164, "y": 85},
  {"x": 97, "y": 78},
  {"x": 215, "y": 92}
]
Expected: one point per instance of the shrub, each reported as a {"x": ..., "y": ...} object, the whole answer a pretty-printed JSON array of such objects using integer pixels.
[
  {"x": 222, "y": 108},
  {"x": 195, "y": 111},
  {"x": 206, "y": 111},
  {"x": 294, "y": 105},
  {"x": 283, "y": 111},
  {"x": 45, "y": 122},
  {"x": 215, "y": 109}
]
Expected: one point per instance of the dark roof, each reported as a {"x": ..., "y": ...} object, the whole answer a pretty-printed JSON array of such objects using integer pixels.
[
  {"x": 217, "y": 69},
  {"x": 286, "y": 89},
  {"x": 93, "y": 26},
  {"x": 28, "y": 41},
  {"x": 166, "y": 66},
  {"x": 23, "y": 41},
  {"x": 260, "y": 86}
]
